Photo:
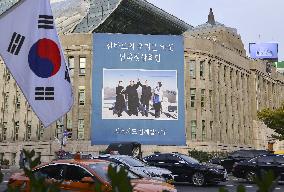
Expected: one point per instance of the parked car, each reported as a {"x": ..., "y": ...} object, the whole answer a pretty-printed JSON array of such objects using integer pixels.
[
  {"x": 139, "y": 167},
  {"x": 188, "y": 169},
  {"x": 126, "y": 148},
  {"x": 83, "y": 176},
  {"x": 248, "y": 169},
  {"x": 237, "y": 156}
]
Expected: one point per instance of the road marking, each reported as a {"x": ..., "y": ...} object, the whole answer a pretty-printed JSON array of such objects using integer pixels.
[
  {"x": 277, "y": 188},
  {"x": 5, "y": 181},
  {"x": 248, "y": 186}
]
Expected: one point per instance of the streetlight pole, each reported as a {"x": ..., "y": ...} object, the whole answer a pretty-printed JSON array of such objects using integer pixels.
[{"x": 62, "y": 136}]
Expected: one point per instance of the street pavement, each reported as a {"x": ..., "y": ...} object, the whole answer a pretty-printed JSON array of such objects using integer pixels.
[{"x": 230, "y": 185}]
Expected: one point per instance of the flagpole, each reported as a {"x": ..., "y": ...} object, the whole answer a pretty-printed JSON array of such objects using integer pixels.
[
  {"x": 12, "y": 8},
  {"x": 62, "y": 137}
]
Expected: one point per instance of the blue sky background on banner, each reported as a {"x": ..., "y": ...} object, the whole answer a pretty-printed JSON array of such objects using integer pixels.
[
  {"x": 152, "y": 76},
  {"x": 134, "y": 53}
]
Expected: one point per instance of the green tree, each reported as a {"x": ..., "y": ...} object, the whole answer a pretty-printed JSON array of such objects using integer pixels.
[
  {"x": 37, "y": 183},
  {"x": 274, "y": 119}
]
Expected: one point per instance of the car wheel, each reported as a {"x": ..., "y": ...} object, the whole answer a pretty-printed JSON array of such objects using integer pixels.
[
  {"x": 250, "y": 176},
  {"x": 198, "y": 179}
]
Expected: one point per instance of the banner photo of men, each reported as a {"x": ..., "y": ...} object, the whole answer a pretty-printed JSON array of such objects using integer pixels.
[
  {"x": 138, "y": 89},
  {"x": 140, "y": 94}
]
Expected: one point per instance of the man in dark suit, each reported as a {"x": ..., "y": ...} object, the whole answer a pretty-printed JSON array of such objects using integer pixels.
[
  {"x": 133, "y": 100},
  {"x": 145, "y": 97},
  {"x": 120, "y": 102}
]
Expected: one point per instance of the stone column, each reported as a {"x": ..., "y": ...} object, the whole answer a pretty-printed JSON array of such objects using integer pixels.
[
  {"x": 216, "y": 102},
  {"x": 234, "y": 108},
  {"x": 198, "y": 101}
]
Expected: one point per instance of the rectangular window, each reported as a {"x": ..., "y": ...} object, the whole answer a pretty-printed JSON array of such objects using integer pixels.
[
  {"x": 81, "y": 127},
  {"x": 192, "y": 97},
  {"x": 40, "y": 131},
  {"x": 192, "y": 69},
  {"x": 210, "y": 71},
  {"x": 218, "y": 74},
  {"x": 237, "y": 80},
  {"x": 13, "y": 159},
  {"x": 193, "y": 129},
  {"x": 7, "y": 75},
  {"x": 18, "y": 104},
  {"x": 231, "y": 72},
  {"x": 29, "y": 131},
  {"x": 211, "y": 129},
  {"x": 4, "y": 131},
  {"x": 225, "y": 102},
  {"x": 81, "y": 95},
  {"x": 6, "y": 100},
  {"x": 202, "y": 69},
  {"x": 16, "y": 131},
  {"x": 59, "y": 127},
  {"x": 202, "y": 98},
  {"x": 69, "y": 125},
  {"x": 81, "y": 124},
  {"x": 203, "y": 130},
  {"x": 18, "y": 97},
  {"x": 82, "y": 65},
  {"x": 69, "y": 121},
  {"x": 71, "y": 62},
  {"x": 210, "y": 99}
]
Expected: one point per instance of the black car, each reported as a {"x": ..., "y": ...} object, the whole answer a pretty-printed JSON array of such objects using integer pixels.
[
  {"x": 248, "y": 169},
  {"x": 188, "y": 169},
  {"x": 126, "y": 148},
  {"x": 237, "y": 156}
]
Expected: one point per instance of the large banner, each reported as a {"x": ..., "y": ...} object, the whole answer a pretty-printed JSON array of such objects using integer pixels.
[
  {"x": 138, "y": 89},
  {"x": 263, "y": 50}
]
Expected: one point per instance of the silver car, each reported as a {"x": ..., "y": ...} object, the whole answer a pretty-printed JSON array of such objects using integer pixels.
[{"x": 139, "y": 167}]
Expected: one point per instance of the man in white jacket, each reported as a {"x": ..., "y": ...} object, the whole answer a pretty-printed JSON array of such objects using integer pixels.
[{"x": 157, "y": 99}]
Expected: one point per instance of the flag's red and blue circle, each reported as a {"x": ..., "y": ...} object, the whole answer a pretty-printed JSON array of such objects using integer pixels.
[{"x": 44, "y": 58}]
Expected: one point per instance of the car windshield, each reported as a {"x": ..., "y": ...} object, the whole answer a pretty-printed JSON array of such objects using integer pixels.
[
  {"x": 132, "y": 161},
  {"x": 189, "y": 159},
  {"x": 101, "y": 170}
]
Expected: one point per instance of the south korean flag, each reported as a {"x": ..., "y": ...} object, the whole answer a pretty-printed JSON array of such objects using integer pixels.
[{"x": 30, "y": 47}]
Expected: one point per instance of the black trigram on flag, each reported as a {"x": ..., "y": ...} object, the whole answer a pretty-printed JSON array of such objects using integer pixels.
[
  {"x": 45, "y": 22},
  {"x": 16, "y": 43},
  {"x": 44, "y": 93}
]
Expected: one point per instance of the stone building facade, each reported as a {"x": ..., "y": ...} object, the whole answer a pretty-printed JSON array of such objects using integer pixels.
[{"x": 224, "y": 89}]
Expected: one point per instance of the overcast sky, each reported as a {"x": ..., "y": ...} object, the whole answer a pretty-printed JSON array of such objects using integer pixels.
[{"x": 255, "y": 20}]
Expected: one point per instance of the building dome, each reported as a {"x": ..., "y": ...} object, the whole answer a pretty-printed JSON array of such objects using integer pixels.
[{"x": 219, "y": 33}]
